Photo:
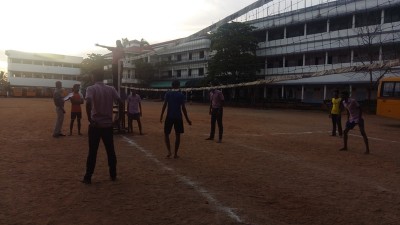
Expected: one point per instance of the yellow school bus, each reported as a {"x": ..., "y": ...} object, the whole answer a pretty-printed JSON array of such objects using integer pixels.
[{"x": 388, "y": 101}]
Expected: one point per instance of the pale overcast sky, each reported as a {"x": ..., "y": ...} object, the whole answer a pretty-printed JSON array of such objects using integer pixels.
[{"x": 72, "y": 27}]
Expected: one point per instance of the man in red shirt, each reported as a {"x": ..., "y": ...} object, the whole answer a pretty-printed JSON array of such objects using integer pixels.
[{"x": 76, "y": 111}]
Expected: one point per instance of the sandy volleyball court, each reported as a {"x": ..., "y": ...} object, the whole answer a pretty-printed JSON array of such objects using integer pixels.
[{"x": 273, "y": 167}]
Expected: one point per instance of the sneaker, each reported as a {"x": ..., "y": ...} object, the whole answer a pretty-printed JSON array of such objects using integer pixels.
[
  {"x": 61, "y": 135},
  {"x": 209, "y": 138}
]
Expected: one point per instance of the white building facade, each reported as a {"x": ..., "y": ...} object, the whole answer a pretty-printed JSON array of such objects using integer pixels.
[
  {"x": 42, "y": 70},
  {"x": 329, "y": 36}
]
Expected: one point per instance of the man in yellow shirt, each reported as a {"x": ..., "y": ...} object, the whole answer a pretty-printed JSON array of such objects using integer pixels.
[{"x": 335, "y": 114}]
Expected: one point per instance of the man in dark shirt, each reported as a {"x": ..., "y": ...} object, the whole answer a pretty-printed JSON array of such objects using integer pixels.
[
  {"x": 59, "y": 103},
  {"x": 99, "y": 108},
  {"x": 175, "y": 101}
]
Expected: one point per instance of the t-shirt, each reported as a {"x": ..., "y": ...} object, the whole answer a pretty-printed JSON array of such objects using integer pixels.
[
  {"x": 133, "y": 101},
  {"x": 216, "y": 99},
  {"x": 76, "y": 97},
  {"x": 175, "y": 101},
  {"x": 354, "y": 110},
  {"x": 336, "y": 105},
  {"x": 102, "y": 98},
  {"x": 58, "y": 97}
]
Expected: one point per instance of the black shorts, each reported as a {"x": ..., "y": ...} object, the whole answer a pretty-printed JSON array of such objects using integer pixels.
[
  {"x": 134, "y": 116},
  {"x": 176, "y": 123},
  {"x": 351, "y": 125},
  {"x": 75, "y": 115}
]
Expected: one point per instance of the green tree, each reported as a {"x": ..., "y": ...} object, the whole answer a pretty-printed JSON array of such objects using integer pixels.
[
  {"x": 93, "y": 61},
  {"x": 143, "y": 43},
  {"x": 234, "y": 58},
  {"x": 125, "y": 42},
  {"x": 144, "y": 71}
]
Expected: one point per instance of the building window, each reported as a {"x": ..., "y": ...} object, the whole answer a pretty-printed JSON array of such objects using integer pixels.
[
  {"x": 368, "y": 18},
  {"x": 392, "y": 14},
  {"x": 294, "y": 60},
  {"x": 202, "y": 55},
  {"x": 189, "y": 72},
  {"x": 201, "y": 71},
  {"x": 48, "y": 63},
  {"x": 317, "y": 58},
  {"x": 169, "y": 73},
  {"x": 37, "y": 75},
  {"x": 66, "y": 77},
  {"x": 366, "y": 54},
  {"x": 178, "y": 73},
  {"x": 316, "y": 27},
  {"x": 390, "y": 52},
  {"x": 190, "y": 56},
  {"x": 295, "y": 31},
  {"x": 27, "y": 61},
  {"x": 179, "y": 57},
  {"x": 341, "y": 23},
  {"x": 260, "y": 35},
  {"x": 339, "y": 56},
  {"x": 38, "y": 62},
  {"x": 48, "y": 76},
  {"x": 276, "y": 34},
  {"x": 275, "y": 62}
]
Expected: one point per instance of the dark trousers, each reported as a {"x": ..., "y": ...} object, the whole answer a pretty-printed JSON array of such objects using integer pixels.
[
  {"x": 336, "y": 122},
  {"x": 216, "y": 116},
  {"x": 115, "y": 76},
  {"x": 106, "y": 134}
]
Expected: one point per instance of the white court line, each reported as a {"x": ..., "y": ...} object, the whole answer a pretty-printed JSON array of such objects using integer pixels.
[
  {"x": 376, "y": 139},
  {"x": 304, "y": 132},
  {"x": 321, "y": 132},
  {"x": 203, "y": 192}
]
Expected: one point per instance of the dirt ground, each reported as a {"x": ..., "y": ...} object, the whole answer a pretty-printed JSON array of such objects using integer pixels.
[{"x": 273, "y": 167}]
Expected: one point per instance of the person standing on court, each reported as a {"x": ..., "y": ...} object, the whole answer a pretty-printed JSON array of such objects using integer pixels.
[
  {"x": 117, "y": 65},
  {"x": 117, "y": 55},
  {"x": 59, "y": 103},
  {"x": 134, "y": 111},
  {"x": 99, "y": 108},
  {"x": 335, "y": 114},
  {"x": 354, "y": 117},
  {"x": 175, "y": 101},
  {"x": 216, "y": 111},
  {"x": 76, "y": 110}
]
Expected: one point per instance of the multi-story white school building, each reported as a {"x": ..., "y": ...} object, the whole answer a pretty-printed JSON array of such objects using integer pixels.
[
  {"x": 38, "y": 72},
  {"x": 302, "y": 42}
]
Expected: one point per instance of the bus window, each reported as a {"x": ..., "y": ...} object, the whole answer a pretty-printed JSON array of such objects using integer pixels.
[
  {"x": 388, "y": 101},
  {"x": 387, "y": 89},
  {"x": 397, "y": 90}
]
